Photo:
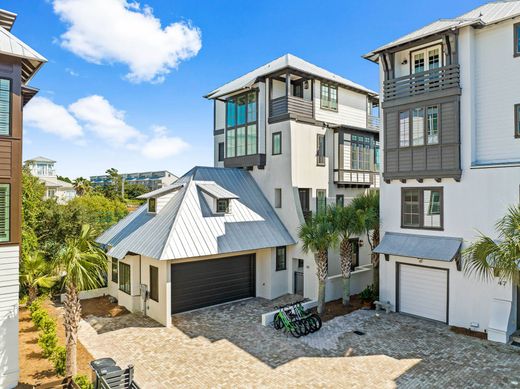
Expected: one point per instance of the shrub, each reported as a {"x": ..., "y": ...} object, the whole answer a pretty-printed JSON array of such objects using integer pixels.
[
  {"x": 83, "y": 382},
  {"x": 58, "y": 359},
  {"x": 368, "y": 294},
  {"x": 35, "y": 305},
  {"x": 48, "y": 324},
  {"x": 48, "y": 342},
  {"x": 38, "y": 316},
  {"x": 24, "y": 299}
]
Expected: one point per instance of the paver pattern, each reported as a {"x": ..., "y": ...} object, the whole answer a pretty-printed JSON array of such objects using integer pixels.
[{"x": 226, "y": 346}]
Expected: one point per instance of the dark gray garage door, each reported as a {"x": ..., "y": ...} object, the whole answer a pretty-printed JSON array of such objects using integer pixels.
[{"x": 204, "y": 283}]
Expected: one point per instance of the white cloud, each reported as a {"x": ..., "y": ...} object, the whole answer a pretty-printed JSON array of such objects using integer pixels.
[
  {"x": 45, "y": 115},
  {"x": 103, "y": 31},
  {"x": 72, "y": 72},
  {"x": 161, "y": 145}
]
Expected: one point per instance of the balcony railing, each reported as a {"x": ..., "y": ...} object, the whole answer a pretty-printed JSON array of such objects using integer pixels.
[
  {"x": 354, "y": 177},
  {"x": 290, "y": 104},
  {"x": 373, "y": 123},
  {"x": 424, "y": 82}
]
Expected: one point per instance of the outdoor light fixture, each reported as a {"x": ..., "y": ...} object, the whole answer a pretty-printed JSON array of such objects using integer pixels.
[
  {"x": 306, "y": 84},
  {"x": 405, "y": 61}
]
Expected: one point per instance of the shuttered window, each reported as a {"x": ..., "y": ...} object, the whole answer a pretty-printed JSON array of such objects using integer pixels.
[
  {"x": 4, "y": 212},
  {"x": 154, "y": 283},
  {"x": 5, "y": 106}
]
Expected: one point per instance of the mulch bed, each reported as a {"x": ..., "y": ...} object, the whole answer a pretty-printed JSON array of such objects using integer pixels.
[
  {"x": 336, "y": 308},
  {"x": 101, "y": 307},
  {"x": 468, "y": 332}
]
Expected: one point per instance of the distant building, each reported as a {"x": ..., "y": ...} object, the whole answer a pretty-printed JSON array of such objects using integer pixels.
[
  {"x": 43, "y": 168},
  {"x": 152, "y": 180}
]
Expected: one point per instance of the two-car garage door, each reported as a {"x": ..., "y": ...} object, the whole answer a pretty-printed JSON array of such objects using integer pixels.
[
  {"x": 210, "y": 282},
  {"x": 423, "y": 291}
]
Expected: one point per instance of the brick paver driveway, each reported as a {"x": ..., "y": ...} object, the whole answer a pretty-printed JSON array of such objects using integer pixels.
[{"x": 226, "y": 346}]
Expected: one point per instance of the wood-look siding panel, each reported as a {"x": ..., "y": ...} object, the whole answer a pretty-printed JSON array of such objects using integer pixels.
[
  {"x": 449, "y": 122},
  {"x": 433, "y": 158},
  {"x": 405, "y": 159},
  {"x": 391, "y": 130},
  {"x": 450, "y": 156},
  {"x": 6, "y": 153},
  {"x": 392, "y": 161},
  {"x": 419, "y": 158}
]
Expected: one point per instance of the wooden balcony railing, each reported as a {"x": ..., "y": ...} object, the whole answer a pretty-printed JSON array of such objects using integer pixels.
[
  {"x": 290, "y": 104},
  {"x": 354, "y": 177},
  {"x": 424, "y": 82},
  {"x": 373, "y": 123}
]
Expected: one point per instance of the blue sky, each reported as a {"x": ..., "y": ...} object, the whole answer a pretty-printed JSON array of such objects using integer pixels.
[{"x": 101, "y": 105}]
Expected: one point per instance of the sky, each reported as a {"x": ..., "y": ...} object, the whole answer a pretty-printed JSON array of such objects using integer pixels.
[{"x": 124, "y": 84}]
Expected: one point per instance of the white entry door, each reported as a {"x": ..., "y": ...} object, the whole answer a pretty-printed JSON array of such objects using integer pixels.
[{"x": 423, "y": 291}]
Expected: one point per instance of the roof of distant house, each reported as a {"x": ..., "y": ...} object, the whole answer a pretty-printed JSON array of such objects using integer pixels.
[
  {"x": 484, "y": 15},
  {"x": 187, "y": 226},
  {"x": 54, "y": 182},
  {"x": 40, "y": 159},
  {"x": 286, "y": 61}
]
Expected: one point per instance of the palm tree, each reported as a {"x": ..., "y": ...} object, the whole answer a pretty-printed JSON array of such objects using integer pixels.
[
  {"x": 83, "y": 265},
  {"x": 488, "y": 258},
  {"x": 347, "y": 223},
  {"x": 317, "y": 235},
  {"x": 35, "y": 273},
  {"x": 367, "y": 207},
  {"x": 82, "y": 186}
]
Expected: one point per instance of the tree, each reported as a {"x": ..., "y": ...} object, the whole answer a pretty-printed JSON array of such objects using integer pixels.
[
  {"x": 65, "y": 179},
  {"x": 32, "y": 208},
  {"x": 367, "y": 207},
  {"x": 83, "y": 265},
  {"x": 317, "y": 235},
  {"x": 35, "y": 273},
  {"x": 346, "y": 223},
  {"x": 488, "y": 258},
  {"x": 82, "y": 186},
  {"x": 113, "y": 190},
  {"x": 133, "y": 191}
]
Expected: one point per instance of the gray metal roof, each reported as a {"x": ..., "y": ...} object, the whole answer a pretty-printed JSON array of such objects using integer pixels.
[
  {"x": 40, "y": 159},
  {"x": 185, "y": 227},
  {"x": 161, "y": 191},
  {"x": 216, "y": 191},
  {"x": 486, "y": 14},
  {"x": 438, "y": 248},
  {"x": 285, "y": 61},
  {"x": 7, "y": 19}
]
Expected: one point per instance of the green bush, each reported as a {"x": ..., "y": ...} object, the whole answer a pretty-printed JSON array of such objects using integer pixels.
[
  {"x": 38, "y": 317},
  {"x": 48, "y": 324},
  {"x": 24, "y": 299},
  {"x": 58, "y": 359},
  {"x": 368, "y": 294},
  {"x": 48, "y": 342},
  {"x": 35, "y": 305},
  {"x": 83, "y": 382}
]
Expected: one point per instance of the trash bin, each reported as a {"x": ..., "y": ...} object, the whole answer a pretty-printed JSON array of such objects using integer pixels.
[{"x": 102, "y": 366}]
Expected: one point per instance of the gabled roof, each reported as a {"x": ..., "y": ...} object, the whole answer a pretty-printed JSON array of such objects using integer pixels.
[
  {"x": 161, "y": 191},
  {"x": 40, "y": 159},
  {"x": 186, "y": 227},
  {"x": 287, "y": 61},
  {"x": 486, "y": 14},
  {"x": 53, "y": 182},
  {"x": 7, "y": 19},
  {"x": 216, "y": 191}
]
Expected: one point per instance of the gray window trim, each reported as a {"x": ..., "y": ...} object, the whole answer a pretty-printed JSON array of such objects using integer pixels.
[
  {"x": 245, "y": 125},
  {"x": 122, "y": 265},
  {"x": 421, "y": 207},
  {"x": 516, "y": 37},
  {"x": 517, "y": 119},
  {"x": 272, "y": 141},
  {"x": 281, "y": 266},
  {"x": 410, "y": 112}
]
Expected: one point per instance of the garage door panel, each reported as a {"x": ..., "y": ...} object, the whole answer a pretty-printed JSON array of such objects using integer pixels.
[
  {"x": 423, "y": 291},
  {"x": 204, "y": 283}
]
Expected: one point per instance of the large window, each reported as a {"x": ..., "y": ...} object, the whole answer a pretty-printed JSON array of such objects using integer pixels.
[
  {"x": 433, "y": 125},
  {"x": 5, "y": 206},
  {"x": 422, "y": 128},
  {"x": 361, "y": 154},
  {"x": 329, "y": 96},
  {"x": 404, "y": 129},
  {"x": 422, "y": 208},
  {"x": 418, "y": 127},
  {"x": 5, "y": 106},
  {"x": 320, "y": 152},
  {"x": 124, "y": 277},
  {"x": 277, "y": 143},
  {"x": 114, "y": 270},
  {"x": 281, "y": 258},
  {"x": 321, "y": 200},
  {"x": 517, "y": 121},
  {"x": 154, "y": 283},
  {"x": 241, "y": 125},
  {"x": 517, "y": 40}
]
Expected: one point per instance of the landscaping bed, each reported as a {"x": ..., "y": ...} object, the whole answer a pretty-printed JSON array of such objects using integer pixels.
[{"x": 336, "y": 308}]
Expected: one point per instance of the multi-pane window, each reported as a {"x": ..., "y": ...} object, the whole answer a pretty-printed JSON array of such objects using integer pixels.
[
  {"x": 517, "y": 40},
  {"x": 5, "y": 206},
  {"x": 5, "y": 106},
  {"x": 281, "y": 258},
  {"x": 418, "y": 127},
  {"x": 361, "y": 155},
  {"x": 114, "y": 270},
  {"x": 320, "y": 152},
  {"x": 222, "y": 206},
  {"x": 433, "y": 125},
  {"x": 329, "y": 96},
  {"x": 124, "y": 278},
  {"x": 241, "y": 125},
  {"x": 434, "y": 59},
  {"x": 154, "y": 283},
  {"x": 377, "y": 156},
  {"x": 517, "y": 121},
  {"x": 422, "y": 208},
  {"x": 404, "y": 129},
  {"x": 277, "y": 143},
  {"x": 321, "y": 200},
  {"x": 278, "y": 198},
  {"x": 426, "y": 59},
  {"x": 418, "y": 62}
]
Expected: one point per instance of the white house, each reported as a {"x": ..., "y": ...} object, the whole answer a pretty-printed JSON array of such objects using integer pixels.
[
  {"x": 290, "y": 138},
  {"x": 451, "y": 145},
  {"x": 44, "y": 169}
]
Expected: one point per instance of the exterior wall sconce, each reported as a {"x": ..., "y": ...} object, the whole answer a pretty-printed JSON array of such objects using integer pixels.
[
  {"x": 361, "y": 243},
  {"x": 405, "y": 61},
  {"x": 306, "y": 84}
]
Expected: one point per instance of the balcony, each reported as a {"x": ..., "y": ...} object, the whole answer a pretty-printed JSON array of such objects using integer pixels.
[
  {"x": 373, "y": 123},
  {"x": 291, "y": 105},
  {"x": 355, "y": 178},
  {"x": 441, "y": 81}
]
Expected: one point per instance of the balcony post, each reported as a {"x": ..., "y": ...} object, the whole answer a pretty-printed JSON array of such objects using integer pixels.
[{"x": 287, "y": 84}]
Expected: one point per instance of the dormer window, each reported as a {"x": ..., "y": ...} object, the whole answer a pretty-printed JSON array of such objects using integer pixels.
[
  {"x": 223, "y": 206},
  {"x": 152, "y": 205}
]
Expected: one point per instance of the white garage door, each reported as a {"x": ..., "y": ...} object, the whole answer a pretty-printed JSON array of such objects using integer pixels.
[{"x": 423, "y": 291}]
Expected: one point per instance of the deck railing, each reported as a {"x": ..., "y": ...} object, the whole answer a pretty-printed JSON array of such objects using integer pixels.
[
  {"x": 290, "y": 104},
  {"x": 373, "y": 123},
  {"x": 424, "y": 82}
]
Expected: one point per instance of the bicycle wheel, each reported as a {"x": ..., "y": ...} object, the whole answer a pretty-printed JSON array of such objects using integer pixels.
[
  {"x": 317, "y": 320},
  {"x": 313, "y": 324},
  {"x": 277, "y": 323},
  {"x": 294, "y": 330},
  {"x": 304, "y": 327}
]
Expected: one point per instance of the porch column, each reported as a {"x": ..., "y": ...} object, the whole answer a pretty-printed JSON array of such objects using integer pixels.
[{"x": 287, "y": 84}]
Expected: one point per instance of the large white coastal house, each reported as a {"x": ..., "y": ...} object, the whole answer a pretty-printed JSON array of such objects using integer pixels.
[
  {"x": 290, "y": 138},
  {"x": 451, "y": 143}
]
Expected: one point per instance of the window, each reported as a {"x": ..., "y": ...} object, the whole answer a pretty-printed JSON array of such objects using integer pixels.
[
  {"x": 321, "y": 200},
  {"x": 517, "y": 40},
  {"x": 5, "y": 211},
  {"x": 124, "y": 277},
  {"x": 114, "y": 270},
  {"x": 281, "y": 258},
  {"x": 404, "y": 129},
  {"x": 418, "y": 127},
  {"x": 152, "y": 205},
  {"x": 329, "y": 97},
  {"x": 426, "y": 59},
  {"x": 418, "y": 62},
  {"x": 422, "y": 208},
  {"x": 517, "y": 121},
  {"x": 340, "y": 200},
  {"x": 221, "y": 151},
  {"x": 278, "y": 198},
  {"x": 154, "y": 283},
  {"x": 222, "y": 206},
  {"x": 241, "y": 125},
  {"x": 433, "y": 125},
  {"x": 5, "y": 106},
  {"x": 320, "y": 153},
  {"x": 360, "y": 152},
  {"x": 277, "y": 143}
]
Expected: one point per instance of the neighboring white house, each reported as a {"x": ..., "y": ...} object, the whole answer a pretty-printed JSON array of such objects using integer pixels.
[
  {"x": 44, "y": 169},
  {"x": 296, "y": 138},
  {"x": 451, "y": 145},
  {"x": 152, "y": 180}
]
